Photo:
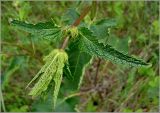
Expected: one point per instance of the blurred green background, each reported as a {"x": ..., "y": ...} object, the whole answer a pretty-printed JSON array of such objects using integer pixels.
[{"x": 119, "y": 88}]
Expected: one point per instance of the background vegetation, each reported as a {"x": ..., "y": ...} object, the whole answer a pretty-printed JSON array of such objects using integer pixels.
[{"x": 118, "y": 88}]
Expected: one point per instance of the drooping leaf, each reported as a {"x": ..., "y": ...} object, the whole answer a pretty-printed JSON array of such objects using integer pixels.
[
  {"x": 78, "y": 61},
  {"x": 89, "y": 44},
  {"x": 47, "y": 30},
  {"x": 44, "y": 105},
  {"x": 52, "y": 70},
  {"x": 101, "y": 29}
]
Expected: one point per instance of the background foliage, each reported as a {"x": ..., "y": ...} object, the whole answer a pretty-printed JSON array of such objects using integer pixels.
[{"x": 118, "y": 88}]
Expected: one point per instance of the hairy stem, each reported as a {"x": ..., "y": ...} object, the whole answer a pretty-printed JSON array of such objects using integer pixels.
[
  {"x": 83, "y": 14},
  {"x": 65, "y": 42},
  {"x": 76, "y": 23}
]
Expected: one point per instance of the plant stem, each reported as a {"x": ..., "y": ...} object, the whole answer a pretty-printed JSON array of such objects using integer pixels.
[
  {"x": 97, "y": 70},
  {"x": 2, "y": 101},
  {"x": 65, "y": 42},
  {"x": 77, "y": 94},
  {"x": 76, "y": 23},
  {"x": 83, "y": 14}
]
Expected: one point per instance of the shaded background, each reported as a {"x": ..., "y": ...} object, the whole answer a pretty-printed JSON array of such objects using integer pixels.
[{"x": 119, "y": 88}]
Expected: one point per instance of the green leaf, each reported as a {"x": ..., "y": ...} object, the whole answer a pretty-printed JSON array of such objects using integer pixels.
[
  {"x": 47, "y": 30},
  {"x": 78, "y": 61},
  {"x": 101, "y": 29},
  {"x": 89, "y": 44},
  {"x": 44, "y": 105}
]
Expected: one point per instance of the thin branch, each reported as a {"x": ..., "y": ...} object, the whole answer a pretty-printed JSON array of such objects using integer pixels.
[
  {"x": 32, "y": 45},
  {"x": 97, "y": 70},
  {"x": 65, "y": 42},
  {"x": 77, "y": 94},
  {"x": 76, "y": 23},
  {"x": 83, "y": 14},
  {"x": 2, "y": 101}
]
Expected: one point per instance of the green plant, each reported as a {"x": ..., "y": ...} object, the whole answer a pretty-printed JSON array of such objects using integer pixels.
[{"x": 80, "y": 44}]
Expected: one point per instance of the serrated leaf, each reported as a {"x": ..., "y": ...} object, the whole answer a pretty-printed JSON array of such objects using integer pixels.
[
  {"x": 47, "y": 30},
  {"x": 101, "y": 29},
  {"x": 52, "y": 70},
  {"x": 89, "y": 44}
]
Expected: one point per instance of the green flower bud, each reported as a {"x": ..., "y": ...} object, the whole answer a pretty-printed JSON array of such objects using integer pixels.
[{"x": 73, "y": 31}]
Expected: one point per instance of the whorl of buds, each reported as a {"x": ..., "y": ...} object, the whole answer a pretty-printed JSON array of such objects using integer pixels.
[{"x": 73, "y": 31}]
